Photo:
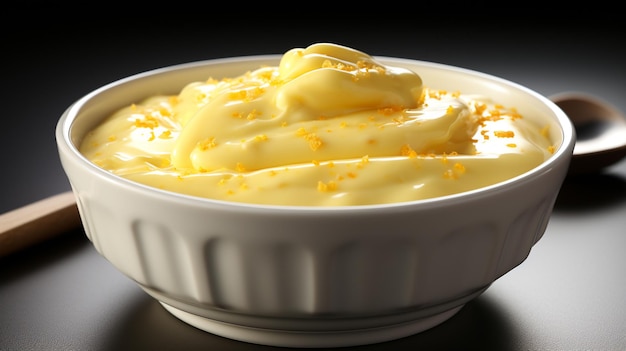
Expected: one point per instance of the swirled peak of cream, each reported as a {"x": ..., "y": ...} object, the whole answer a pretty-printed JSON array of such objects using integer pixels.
[
  {"x": 275, "y": 116},
  {"x": 328, "y": 126}
]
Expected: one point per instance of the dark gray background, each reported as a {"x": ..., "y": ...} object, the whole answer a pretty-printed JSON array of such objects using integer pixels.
[{"x": 570, "y": 294}]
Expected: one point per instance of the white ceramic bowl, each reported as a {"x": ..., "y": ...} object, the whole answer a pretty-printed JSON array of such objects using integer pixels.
[{"x": 311, "y": 276}]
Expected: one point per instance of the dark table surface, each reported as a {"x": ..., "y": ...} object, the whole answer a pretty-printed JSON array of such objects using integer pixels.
[{"x": 570, "y": 294}]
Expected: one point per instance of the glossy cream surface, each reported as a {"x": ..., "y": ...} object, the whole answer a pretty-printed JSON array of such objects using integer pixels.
[{"x": 328, "y": 126}]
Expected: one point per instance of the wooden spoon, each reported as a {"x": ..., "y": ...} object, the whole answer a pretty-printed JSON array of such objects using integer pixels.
[
  {"x": 600, "y": 131},
  {"x": 37, "y": 222}
]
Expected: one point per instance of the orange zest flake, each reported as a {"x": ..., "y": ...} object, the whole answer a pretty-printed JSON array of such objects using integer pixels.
[
  {"x": 275, "y": 81},
  {"x": 362, "y": 64},
  {"x": 265, "y": 75},
  {"x": 326, "y": 187},
  {"x": 399, "y": 119},
  {"x": 511, "y": 145},
  {"x": 253, "y": 115},
  {"x": 165, "y": 162},
  {"x": 200, "y": 97},
  {"x": 166, "y": 134},
  {"x": 315, "y": 142},
  {"x": 388, "y": 111},
  {"x": 457, "y": 170},
  {"x": 172, "y": 100},
  {"x": 480, "y": 108},
  {"x": 436, "y": 94},
  {"x": 407, "y": 150},
  {"x": 207, "y": 143},
  {"x": 495, "y": 113},
  {"x": 165, "y": 112},
  {"x": 360, "y": 70},
  {"x": 491, "y": 118},
  {"x": 450, "y": 110},
  {"x": 237, "y": 95},
  {"x": 364, "y": 160},
  {"x": 239, "y": 167},
  {"x": 340, "y": 66},
  {"x": 112, "y": 138},
  {"x": 230, "y": 80},
  {"x": 261, "y": 137},
  {"x": 380, "y": 69},
  {"x": 551, "y": 149},
  {"x": 301, "y": 132},
  {"x": 449, "y": 174},
  {"x": 358, "y": 75},
  {"x": 504, "y": 133},
  {"x": 315, "y": 162},
  {"x": 545, "y": 131},
  {"x": 146, "y": 122},
  {"x": 514, "y": 114}
]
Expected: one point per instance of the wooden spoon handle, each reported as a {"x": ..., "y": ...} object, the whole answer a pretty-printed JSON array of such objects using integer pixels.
[{"x": 37, "y": 222}]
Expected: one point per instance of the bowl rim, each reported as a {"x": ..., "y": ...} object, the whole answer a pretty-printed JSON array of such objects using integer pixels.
[{"x": 66, "y": 146}]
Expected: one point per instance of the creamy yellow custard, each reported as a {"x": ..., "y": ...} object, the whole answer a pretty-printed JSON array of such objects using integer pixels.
[{"x": 328, "y": 126}]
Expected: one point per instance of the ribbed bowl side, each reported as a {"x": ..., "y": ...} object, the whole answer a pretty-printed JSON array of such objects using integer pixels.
[
  {"x": 267, "y": 274},
  {"x": 345, "y": 276},
  {"x": 524, "y": 232}
]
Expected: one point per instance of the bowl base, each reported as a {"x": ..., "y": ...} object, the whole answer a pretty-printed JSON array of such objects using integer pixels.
[{"x": 312, "y": 339}]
